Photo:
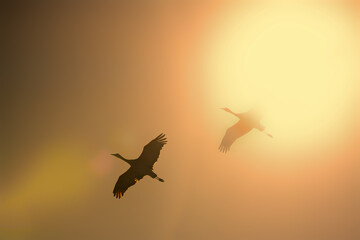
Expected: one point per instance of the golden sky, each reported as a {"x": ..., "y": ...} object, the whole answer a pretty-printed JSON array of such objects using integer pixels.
[{"x": 87, "y": 80}]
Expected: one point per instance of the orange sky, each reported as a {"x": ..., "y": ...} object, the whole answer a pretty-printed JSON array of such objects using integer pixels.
[{"x": 84, "y": 81}]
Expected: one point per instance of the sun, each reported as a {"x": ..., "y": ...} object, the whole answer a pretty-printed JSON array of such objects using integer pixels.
[{"x": 297, "y": 61}]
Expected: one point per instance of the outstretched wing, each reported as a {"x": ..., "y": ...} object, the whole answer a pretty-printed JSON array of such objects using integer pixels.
[
  {"x": 229, "y": 138},
  {"x": 151, "y": 151},
  {"x": 125, "y": 181}
]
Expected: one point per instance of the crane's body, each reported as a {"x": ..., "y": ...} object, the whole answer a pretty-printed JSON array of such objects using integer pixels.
[
  {"x": 140, "y": 167},
  {"x": 247, "y": 121}
]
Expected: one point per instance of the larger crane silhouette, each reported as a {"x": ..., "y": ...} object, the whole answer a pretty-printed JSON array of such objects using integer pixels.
[
  {"x": 247, "y": 121},
  {"x": 141, "y": 166}
]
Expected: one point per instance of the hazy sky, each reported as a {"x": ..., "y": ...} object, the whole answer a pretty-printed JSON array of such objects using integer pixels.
[{"x": 83, "y": 81}]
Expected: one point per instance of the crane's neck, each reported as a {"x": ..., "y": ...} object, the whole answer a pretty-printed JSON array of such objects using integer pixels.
[
  {"x": 122, "y": 158},
  {"x": 129, "y": 162},
  {"x": 235, "y": 114}
]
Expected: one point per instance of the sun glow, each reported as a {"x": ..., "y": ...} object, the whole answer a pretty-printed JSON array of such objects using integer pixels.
[{"x": 297, "y": 61}]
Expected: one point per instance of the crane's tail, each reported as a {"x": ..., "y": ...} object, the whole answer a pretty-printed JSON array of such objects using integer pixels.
[{"x": 160, "y": 179}]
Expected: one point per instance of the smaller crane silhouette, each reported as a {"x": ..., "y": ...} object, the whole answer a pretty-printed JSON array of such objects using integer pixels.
[
  {"x": 247, "y": 121},
  {"x": 140, "y": 167}
]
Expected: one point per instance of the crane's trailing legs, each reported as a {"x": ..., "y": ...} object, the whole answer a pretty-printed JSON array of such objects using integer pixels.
[
  {"x": 160, "y": 179},
  {"x": 153, "y": 175}
]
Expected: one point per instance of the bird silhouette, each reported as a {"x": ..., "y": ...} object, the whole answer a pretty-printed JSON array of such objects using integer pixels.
[
  {"x": 141, "y": 166},
  {"x": 247, "y": 121}
]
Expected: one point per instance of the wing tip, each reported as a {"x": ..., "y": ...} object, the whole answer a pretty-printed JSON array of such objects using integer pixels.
[
  {"x": 224, "y": 149},
  {"x": 160, "y": 135},
  {"x": 118, "y": 195},
  {"x": 161, "y": 138}
]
